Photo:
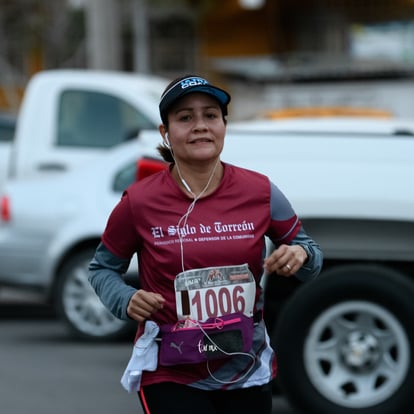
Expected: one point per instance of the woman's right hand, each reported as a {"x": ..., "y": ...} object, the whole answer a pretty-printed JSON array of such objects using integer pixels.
[{"x": 143, "y": 304}]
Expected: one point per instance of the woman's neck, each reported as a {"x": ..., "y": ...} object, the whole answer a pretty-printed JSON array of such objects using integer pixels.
[{"x": 198, "y": 182}]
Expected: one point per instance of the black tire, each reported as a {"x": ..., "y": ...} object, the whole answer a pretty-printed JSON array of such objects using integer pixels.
[
  {"x": 345, "y": 343},
  {"x": 79, "y": 306}
]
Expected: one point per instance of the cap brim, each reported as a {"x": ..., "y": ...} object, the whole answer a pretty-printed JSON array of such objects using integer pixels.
[
  {"x": 222, "y": 96},
  {"x": 173, "y": 96}
]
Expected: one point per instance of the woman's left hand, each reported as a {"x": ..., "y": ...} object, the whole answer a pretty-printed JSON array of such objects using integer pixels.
[{"x": 285, "y": 260}]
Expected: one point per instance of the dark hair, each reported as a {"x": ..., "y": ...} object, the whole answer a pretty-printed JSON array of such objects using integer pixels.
[
  {"x": 165, "y": 153},
  {"x": 173, "y": 92}
]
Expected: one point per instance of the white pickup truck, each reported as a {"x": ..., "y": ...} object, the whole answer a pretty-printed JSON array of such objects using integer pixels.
[
  {"x": 69, "y": 117},
  {"x": 344, "y": 341}
]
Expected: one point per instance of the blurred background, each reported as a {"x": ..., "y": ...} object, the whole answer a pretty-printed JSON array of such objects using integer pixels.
[
  {"x": 272, "y": 55},
  {"x": 254, "y": 46}
]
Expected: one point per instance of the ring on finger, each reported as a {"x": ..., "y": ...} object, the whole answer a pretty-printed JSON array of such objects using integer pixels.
[{"x": 288, "y": 266}]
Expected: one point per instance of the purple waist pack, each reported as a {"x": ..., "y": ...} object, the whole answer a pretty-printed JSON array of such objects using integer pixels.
[{"x": 189, "y": 342}]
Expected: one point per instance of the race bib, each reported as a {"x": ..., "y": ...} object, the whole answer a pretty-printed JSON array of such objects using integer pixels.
[{"x": 215, "y": 291}]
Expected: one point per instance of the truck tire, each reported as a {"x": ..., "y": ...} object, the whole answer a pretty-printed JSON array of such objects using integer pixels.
[
  {"x": 79, "y": 306},
  {"x": 345, "y": 342}
]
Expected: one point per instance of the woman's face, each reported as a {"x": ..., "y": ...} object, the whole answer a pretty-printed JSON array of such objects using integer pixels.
[{"x": 196, "y": 128}]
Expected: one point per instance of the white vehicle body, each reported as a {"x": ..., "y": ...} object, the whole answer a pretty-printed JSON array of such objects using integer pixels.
[
  {"x": 49, "y": 213},
  {"x": 82, "y": 104},
  {"x": 51, "y": 226},
  {"x": 338, "y": 171}
]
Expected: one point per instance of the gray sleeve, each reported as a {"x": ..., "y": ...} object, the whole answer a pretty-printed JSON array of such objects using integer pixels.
[
  {"x": 105, "y": 276},
  {"x": 313, "y": 265}
]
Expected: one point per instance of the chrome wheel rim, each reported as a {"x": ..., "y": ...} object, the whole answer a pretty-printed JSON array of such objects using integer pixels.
[{"x": 357, "y": 354}]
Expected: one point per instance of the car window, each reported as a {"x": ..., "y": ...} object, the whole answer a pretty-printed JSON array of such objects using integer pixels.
[
  {"x": 97, "y": 120},
  {"x": 7, "y": 128},
  {"x": 124, "y": 177}
]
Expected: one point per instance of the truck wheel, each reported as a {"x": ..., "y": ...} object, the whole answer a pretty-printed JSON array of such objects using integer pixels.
[
  {"x": 79, "y": 306},
  {"x": 345, "y": 341}
]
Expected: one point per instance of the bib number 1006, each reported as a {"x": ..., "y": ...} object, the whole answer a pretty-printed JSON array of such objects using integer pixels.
[{"x": 218, "y": 301}]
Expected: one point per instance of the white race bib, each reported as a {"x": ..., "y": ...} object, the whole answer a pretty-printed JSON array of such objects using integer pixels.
[{"x": 215, "y": 291}]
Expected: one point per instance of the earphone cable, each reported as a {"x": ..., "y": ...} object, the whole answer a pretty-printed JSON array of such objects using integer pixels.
[{"x": 183, "y": 220}]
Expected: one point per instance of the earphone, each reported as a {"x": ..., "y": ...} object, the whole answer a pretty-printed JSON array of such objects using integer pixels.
[
  {"x": 167, "y": 141},
  {"x": 182, "y": 222}
]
